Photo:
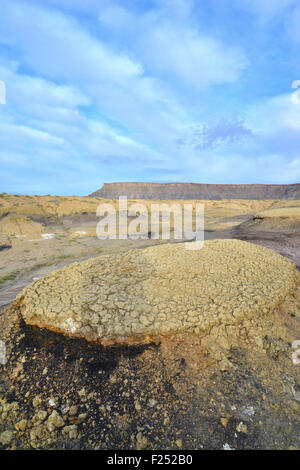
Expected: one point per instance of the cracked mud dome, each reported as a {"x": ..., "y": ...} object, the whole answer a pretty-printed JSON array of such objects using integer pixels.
[
  {"x": 160, "y": 291},
  {"x": 219, "y": 375}
]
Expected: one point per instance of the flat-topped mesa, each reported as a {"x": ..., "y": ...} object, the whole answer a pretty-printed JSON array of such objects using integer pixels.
[
  {"x": 171, "y": 191},
  {"x": 160, "y": 291}
]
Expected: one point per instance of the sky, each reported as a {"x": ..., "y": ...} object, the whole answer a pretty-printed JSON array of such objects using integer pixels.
[{"x": 204, "y": 91}]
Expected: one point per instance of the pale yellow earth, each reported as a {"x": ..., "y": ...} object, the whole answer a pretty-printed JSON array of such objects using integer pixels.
[
  {"x": 17, "y": 225},
  {"x": 66, "y": 205},
  {"x": 277, "y": 219}
]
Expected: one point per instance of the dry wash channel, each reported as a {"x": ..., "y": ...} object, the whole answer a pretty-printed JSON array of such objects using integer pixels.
[{"x": 161, "y": 291}]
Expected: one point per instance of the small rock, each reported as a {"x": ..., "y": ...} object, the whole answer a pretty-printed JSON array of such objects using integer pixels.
[
  {"x": 73, "y": 410},
  {"x": 36, "y": 432},
  {"x": 224, "y": 421},
  {"x": 137, "y": 406},
  {"x": 226, "y": 446},
  {"x": 78, "y": 419},
  {"x": 141, "y": 441},
  {"x": 167, "y": 421},
  {"x": 65, "y": 410},
  {"x": 17, "y": 370},
  {"x": 54, "y": 421},
  {"x": 36, "y": 401},
  {"x": 52, "y": 402},
  {"x": 21, "y": 425},
  {"x": 6, "y": 437},
  {"x": 70, "y": 431},
  {"x": 152, "y": 402},
  {"x": 248, "y": 410},
  {"x": 8, "y": 407},
  {"x": 178, "y": 442},
  {"x": 41, "y": 415},
  {"x": 241, "y": 427}
]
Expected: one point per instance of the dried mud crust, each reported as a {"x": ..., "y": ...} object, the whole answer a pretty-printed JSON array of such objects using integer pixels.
[{"x": 160, "y": 291}]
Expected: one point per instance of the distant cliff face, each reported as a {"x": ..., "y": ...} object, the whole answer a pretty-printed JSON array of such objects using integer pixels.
[{"x": 198, "y": 191}]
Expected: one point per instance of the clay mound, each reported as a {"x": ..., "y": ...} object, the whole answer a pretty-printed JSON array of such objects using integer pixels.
[
  {"x": 279, "y": 219},
  {"x": 160, "y": 291},
  {"x": 15, "y": 224}
]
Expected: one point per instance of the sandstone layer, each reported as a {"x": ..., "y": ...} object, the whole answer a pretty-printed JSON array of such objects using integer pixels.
[
  {"x": 169, "y": 191},
  {"x": 160, "y": 291}
]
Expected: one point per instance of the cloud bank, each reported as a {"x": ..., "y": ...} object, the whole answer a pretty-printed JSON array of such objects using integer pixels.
[{"x": 154, "y": 91}]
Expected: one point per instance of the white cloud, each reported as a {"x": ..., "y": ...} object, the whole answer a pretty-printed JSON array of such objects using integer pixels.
[
  {"x": 82, "y": 98},
  {"x": 293, "y": 25},
  {"x": 269, "y": 153},
  {"x": 199, "y": 61},
  {"x": 57, "y": 46},
  {"x": 274, "y": 114},
  {"x": 167, "y": 42},
  {"x": 37, "y": 96},
  {"x": 265, "y": 10},
  {"x": 115, "y": 17},
  {"x": 16, "y": 135}
]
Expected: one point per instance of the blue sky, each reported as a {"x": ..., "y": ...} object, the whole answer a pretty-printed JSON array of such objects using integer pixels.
[{"x": 159, "y": 90}]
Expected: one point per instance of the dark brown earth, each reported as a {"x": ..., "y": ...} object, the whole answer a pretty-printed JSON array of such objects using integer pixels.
[
  {"x": 165, "y": 396},
  {"x": 170, "y": 191}
]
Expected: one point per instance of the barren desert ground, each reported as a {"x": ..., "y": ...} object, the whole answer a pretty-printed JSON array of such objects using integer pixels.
[{"x": 142, "y": 344}]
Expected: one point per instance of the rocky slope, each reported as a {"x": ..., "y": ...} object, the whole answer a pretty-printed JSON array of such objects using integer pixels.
[{"x": 198, "y": 191}]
